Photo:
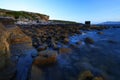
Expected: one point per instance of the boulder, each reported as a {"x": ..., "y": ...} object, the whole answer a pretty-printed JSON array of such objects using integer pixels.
[
  {"x": 53, "y": 43},
  {"x": 88, "y": 75},
  {"x": 42, "y": 47},
  {"x": 66, "y": 40},
  {"x": 89, "y": 40},
  {"x": 46, "y": 57},
  {"x": 65, "y": 50}
]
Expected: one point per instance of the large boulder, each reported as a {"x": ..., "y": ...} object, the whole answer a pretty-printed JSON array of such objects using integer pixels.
[
  {"x": 65, "y": 50},
  {"x": 46, "y": 57}
]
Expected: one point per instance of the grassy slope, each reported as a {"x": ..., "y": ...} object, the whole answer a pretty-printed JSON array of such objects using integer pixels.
[{"x": 22, "y": 14}]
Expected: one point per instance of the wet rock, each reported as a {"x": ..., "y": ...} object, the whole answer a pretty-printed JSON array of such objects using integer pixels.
[
  {"x": 78, "y": 32},
  {"x": 100, "y": 33},
  {"x": 46, "y": 57},
  {"x": 65, "y": 50},
  {"x": 53, "y": 43},
  {"x": 17, "y": 37},
  {"x": 89, "y": 40},
  {"x": 86, "y": 75},
  {"x": 66, "y": 40},
  {"x": 42, "y": 47},
  {"x": 36, "y": 73}
]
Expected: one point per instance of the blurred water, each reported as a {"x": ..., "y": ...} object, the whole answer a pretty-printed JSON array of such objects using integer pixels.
[
  {"x": 101, "y": 58},
  {"x": 23, "y": 54}
]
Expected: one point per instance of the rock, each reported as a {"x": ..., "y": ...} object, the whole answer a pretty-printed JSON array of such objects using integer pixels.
[
  {"x": 53, "y": 43},
  {"x": 89, "y": 40},
  {"x": 13, "y": 42},
  {"x": 4, "y": 48},
  {"x": 7, "y": 21},
  {"x": 35, "y": 44},
  {"x": 65, "y": 50},
  {"x": 86, "y": 75},
  {"x": 36, "y": 73},
  {"x": 100, "y": 32},
  {"x": 42, "y": 47},
  {"x": 8, "y": 73},
  {"x": 17, "y": 37},
  {"x": 46, "y": 57},
  {"x": 66, "y": 40},
  {"x": 6, "y": 69}
]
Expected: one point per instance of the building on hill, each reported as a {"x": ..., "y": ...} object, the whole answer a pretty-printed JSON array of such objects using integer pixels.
[{"x": 87, "y": 23}]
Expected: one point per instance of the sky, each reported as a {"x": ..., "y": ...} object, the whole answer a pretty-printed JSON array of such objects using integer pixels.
[{"x": 96, "y": 11}]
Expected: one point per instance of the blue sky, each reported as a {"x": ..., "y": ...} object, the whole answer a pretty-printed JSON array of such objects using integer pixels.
[{"x": 74, "y": 10}]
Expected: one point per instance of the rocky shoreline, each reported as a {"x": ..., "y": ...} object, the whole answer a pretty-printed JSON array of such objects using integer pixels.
[
  {"x": 29, "y": 50},
  {"x": 53, "y": 40}
]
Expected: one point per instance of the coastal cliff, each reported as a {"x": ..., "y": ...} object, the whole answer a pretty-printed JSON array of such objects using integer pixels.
[
  {"x": 24, "y": 16},
  {"x": 14, "y": 43}
]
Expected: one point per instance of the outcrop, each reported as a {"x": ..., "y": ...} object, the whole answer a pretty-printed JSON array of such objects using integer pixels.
[
  {"x": 13, "y": 43},
  {"x": 24, "y": 17}
]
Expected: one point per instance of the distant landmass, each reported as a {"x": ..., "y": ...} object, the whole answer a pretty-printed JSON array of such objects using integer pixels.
[{"x": 110, "y": 23}]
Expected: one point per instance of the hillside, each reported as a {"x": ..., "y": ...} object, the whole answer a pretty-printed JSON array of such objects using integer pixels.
[{"x": 23, "y": 15}]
